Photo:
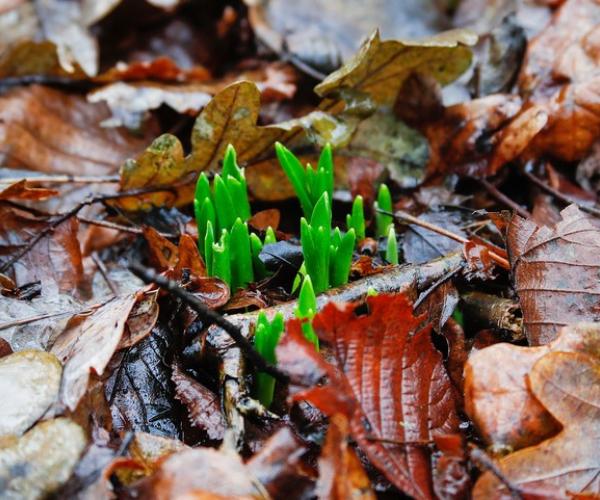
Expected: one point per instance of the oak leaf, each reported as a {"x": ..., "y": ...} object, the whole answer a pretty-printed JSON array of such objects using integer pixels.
[
  {"x": 568, "y": 385},
  {"x": 498, "y": 398},
  {"x": 387, "y": 378},
  {"x": 555, "y": 272}
]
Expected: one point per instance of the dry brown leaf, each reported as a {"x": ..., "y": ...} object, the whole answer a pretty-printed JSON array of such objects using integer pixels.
[
  {"x": 88, "y": 344},
  {"x": 48, "y": 131},
  {"x": 380, "y": 67},
  {"x": 556, "y": 272},
  {"x": 55, "y": 260},
  {"x": 568, "y": 385},
  {"x": 497, "y": 394},
  {"x": 24, "y": 190}
]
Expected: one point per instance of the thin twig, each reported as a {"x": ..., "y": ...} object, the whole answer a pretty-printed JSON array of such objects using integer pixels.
[
  {"x": 67, "y": 215},
  {"x": 40, "y": 317},
  {"x": 561, "y": 196},
  {"x": 210, "y": 317},
  {"x": 444, "y": 232},
  {"x": 483, "y": 461},
  {"x": 63, "y": 179},
  {"x": 420, "y": 443},
  {"x": 439, "y": 282},
  {"x": 120, "y": 227},
  {"x": 502, "y": 198},
  {"x": 104, "y": 272}
]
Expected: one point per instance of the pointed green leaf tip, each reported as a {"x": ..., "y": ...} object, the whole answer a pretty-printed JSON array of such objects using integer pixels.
[
  {"x": 391, "y": 251},
  {"x": 356, "y": 219},
  {"x": 384, "y": 202},
  {"x": 266, "y": 337},
  {"x": 306, "y": 310}
]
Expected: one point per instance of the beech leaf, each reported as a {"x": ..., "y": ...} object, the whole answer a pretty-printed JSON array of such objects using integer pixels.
[
  {"x": 388, "y": 380},
  {"x": 556, "y": 272}
]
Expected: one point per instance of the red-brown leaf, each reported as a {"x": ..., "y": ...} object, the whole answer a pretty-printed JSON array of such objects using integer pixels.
[{"x": 388, "y": 379}]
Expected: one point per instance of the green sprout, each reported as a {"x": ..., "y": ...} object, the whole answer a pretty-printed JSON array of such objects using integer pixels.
[
  {"x": 391, "y": 251},
  {"x": 306, "y": 310},
  {"x": 382, "y": 220},
  {"x": 309, "y": 183},
  {"x": 327, "y": 257},
  {"x": 266, "y": 337},
  {"x": 223, "y": 209},
  {"x": 356, "y": 219}
]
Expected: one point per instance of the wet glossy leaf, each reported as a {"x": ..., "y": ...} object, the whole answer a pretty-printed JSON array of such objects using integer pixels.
[
  {"x": 568, "y": 385},
  {"x": 30, "y": 380},
  {"x": 388, "y": 379},
  {"x": 497, "y": 393},
  {"x": 41, "y": 460},
  {"x": 555, "y": 271}
]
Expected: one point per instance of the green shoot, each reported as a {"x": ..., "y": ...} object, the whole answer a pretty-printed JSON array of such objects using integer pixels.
[
  {"x": 266, "y": 337},
  {"x": 308, "y": 183},
  {"x": 241, "y": 263},
  {"x": 356, "y": 219},
  {"x": 384, "y": 202},
  {"x": 306, "y": 310},
  {"x": 260, "y": 271},
  {"x": 327, "y": 256},
  {"x": 391, "y": 251}
]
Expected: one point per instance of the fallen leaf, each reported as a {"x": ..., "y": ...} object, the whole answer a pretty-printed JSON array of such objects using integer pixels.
[
  {"x": 204, "y": 408},
  {"x": 568, "y": 385},
  {"x": 142, "y": 318},
  {"x": 55, "y": 260},
  {"x": 388, "y": 379},
  {"x": 45, "y": 130},
  {"x": 24, "y": 190},
  {"x": 201, "y": 470},
  {"x": 41, "y": 460},
  {"x": 380, "y": 68},
  {"x": 450, "y": 476},
  {"x": 279, "y": 464},
  {"x": 139, "y": 388},
  {"x": 88, "y": 344},
  {"x": 323, "y": 33},
  {"x": 341, "y": 474},
  {"x": 497, "y": 391},
  {"x": 555, "y": 272},
  {"x": 30, "y": 380}
]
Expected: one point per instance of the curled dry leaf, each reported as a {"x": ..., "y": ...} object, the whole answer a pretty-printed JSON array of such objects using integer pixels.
[
  {"x": 380, "y": 67},
  {"x": 555, "y": 270},
  {"x": 341, "y": 474},
  {"x": 40, "y": 461},
  {"x": 48, "y": 131},
  {"x": 204, "y": 409},
  {"x": 388, "y": 380},
  {"x": 568, "y": 385},
  {"x": 29, "y": 380},
  {"x": 88, "y": 343},
  {"x": 497, "y": 391},
  {"x": 24, "y": 190}
]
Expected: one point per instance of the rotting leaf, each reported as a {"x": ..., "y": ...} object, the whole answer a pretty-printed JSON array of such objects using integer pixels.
[
  {"x": 555, "y": 271},
  {"x": 204, "y": 410},
  {"x": 388, "y": 380},
  {"x": 30, "y": 381},
  {"x": 41, "y": 460},
  {"x": 568, "y": 385},
  {"x": 88, "y": 344},
  {"x": 380, "y": 67},
  {"x": 497, "y": 393}
]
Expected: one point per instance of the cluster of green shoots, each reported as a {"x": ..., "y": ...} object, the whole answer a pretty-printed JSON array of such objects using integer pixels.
[
  {"x": 222, "y": 211},
  {"x": 231, "y": 252}
]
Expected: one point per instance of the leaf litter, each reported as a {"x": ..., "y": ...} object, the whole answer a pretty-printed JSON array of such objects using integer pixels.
[{"x": 468, "y": 370}]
